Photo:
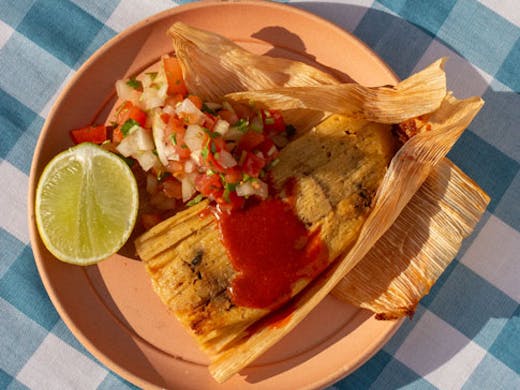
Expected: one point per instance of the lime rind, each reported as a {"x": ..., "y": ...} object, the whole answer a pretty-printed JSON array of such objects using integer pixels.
[{"x": 86, "y": 204}]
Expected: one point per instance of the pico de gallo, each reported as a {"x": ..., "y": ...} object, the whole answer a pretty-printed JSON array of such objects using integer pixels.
[{"x": 183, "y": 150}]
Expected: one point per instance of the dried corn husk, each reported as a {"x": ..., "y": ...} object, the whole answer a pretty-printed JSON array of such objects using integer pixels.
[
  {"x": 214, "y": 66},
  {"x": 403, "y": 265},
  {"x": 409, "y": 168},
  {"x": 415, "y": 96}
]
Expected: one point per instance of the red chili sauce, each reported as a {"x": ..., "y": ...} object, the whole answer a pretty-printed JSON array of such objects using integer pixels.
[{"x": 270, "y": 249}]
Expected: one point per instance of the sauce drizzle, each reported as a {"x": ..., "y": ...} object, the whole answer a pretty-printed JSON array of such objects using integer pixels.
[{"x": 271, "y": 249}]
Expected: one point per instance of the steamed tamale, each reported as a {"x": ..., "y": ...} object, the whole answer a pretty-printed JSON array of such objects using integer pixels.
[
  {"x": 349, "y": 212},
  {"x": 337, "y": 169}
]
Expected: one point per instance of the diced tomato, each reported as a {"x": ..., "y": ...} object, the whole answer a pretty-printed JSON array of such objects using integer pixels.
[
  {"x": 229, "y": 116},
  {"x": 173, "y": 100},
  {"x": 129, "y": 111},
  {"x": 165, "y": 118},
  {"x": 209, "y": 121},
  {"x": 197, "y": 101},
  {"x": 267, "y": 150},
  {"x": 243, "y": 110},
  {"x": 253, "y": 164},
  {"x": 233, "y": 202},
  {"x": 173, "y": 71},
  {"x": 126, "y": 111},
  {"x": 175, "y": 167},
  {"x": 233, "y": 175},
  {"x": 149, "y": 220},
  {"x": 273, "y": 122},
  {"x": 94, "y": 134},
  {"x": 209, "y": 185},
  {"x": 250, "y": 140},
  {"x": 172, "y": 188}
]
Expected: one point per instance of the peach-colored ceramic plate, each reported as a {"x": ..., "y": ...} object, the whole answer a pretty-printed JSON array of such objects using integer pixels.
[{"x": 111, "y": 307}]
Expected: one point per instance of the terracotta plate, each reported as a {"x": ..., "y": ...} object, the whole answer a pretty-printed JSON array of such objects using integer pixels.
[{"x": 111, "y": 307}]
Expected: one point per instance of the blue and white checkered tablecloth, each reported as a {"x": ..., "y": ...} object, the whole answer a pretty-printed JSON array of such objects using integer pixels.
[{"x": 466, "y": 332}]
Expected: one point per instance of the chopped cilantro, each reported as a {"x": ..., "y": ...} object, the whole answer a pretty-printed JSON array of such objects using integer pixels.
[
  {"x": 173, "y": 138},
  {"x": 152, "y": 75},
  {"x": 213, "y": 148},
  {"x": 207, "y": 109},
  {"x": 204, "y": 152},
  {"x": 195, "y": 200},
  {"x": 127, "y": 126},
  {"x": 242, "y": 125},
  {"x": 163, "y": 175},
  {"x": 134, "y": 83},
  {"x": 212, "y": 134},
  {"x": 272, "y": 164}
]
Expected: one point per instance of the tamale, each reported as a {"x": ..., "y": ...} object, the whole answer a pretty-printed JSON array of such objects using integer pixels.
[
  {"x": 337, "y": 167},
  {"x": 237, "y": 345}
]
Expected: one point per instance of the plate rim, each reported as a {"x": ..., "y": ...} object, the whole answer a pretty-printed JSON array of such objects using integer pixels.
[{"x": 34, "y": 237}]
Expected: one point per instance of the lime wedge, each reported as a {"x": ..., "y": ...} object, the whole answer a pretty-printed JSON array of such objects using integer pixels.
[{"x": 86, "y": 204}]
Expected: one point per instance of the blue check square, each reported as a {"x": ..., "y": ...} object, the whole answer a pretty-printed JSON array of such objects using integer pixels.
[
  {"x": 13, "y": 11},
  {"x": 22, "y": 152},
  {"x": 491, "y": 373},
  {"x": 21, "y": 341},
  {"x": 11, "y": 249},
  {"x": 506, "y": 347},
  {"x": 367, "y": 374},
  {"x": 15, "y": 118},
  {"x": 489, "y": 167},
  {"x": 112, "y": 381},
  {"x": 48, "y": 19},
  {"x": 473, "y": 306},
  {"x": 430, "y": 16},
  {"x": 21, "y": 286},
  {"x": 479, "y": 35},
  {"x": 393, "y": 39},
  {"x": 30, "y": 74},
  {"x": 508, "y": 72}
]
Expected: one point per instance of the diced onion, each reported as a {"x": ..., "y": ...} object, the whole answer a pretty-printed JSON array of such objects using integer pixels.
[
  {"x": 137, "y": 141},
  {"x": 221, "y": 126},
  {"x": 261, "y": 189},
  {"x": 245, "y": 189},
  {"x": 188, "y": 187},
  {"x": 233, "y": 134},
  {"x": 189, "y": 166},
  {"x": 256, "y": 187},
  {"x": 226, "y": 159},
  {"x": 194, "y": 137},
  {"x": 124, "y": 91},
  {"x": 158, "y": 138},
  {"x": 169, "y": 110},
  {"x": 146, "y": 159},
  {"x": 187, "y": 109},
  {"x": 151, "y": 98}
]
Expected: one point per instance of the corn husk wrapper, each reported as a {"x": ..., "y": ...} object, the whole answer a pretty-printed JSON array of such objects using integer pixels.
[
  {"x": 405, "y": 263},
  {"x": 214, "y": 66},
  {"x": 421, "y": 94}
]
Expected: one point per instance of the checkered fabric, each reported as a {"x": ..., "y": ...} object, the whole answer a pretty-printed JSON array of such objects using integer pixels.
[{"x": 466, "y": 332}]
